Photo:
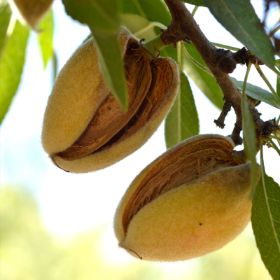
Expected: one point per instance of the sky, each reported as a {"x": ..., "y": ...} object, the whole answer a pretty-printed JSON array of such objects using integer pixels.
[{"x": 72, "y": 203}]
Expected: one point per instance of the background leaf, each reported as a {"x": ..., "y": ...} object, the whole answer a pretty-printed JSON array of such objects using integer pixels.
[
  {"x": 152, "y": 10},
  {"x": 45, "y": 37},
  {"x": 277, "y": 64},
  {"x": 5, "y": 15},
  {"x": 240, "y": 19},
  {"x": 258, "y": 93},
  {"x": 182, "y": 120},
  {"x": 195, "y": 2},
  {"x": 278, "y": 86},
  {"x": 103, "y": 19},
  {"x": 266, "y": 223},
  {"x": 198, "y": 71},
  {"x": 11, "y": 66},
  {"x": 54, "y": 66}
]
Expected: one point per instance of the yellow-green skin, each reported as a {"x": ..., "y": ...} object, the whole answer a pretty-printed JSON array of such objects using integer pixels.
[
  {"x": 190, "y": 220},
  {"x": 31, "y": 10},
  {"x": 78, "y": 92}
]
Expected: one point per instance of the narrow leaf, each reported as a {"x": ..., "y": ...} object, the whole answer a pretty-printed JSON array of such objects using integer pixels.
[
  {"x": 278, "y": 86},
  {"x": 249, "y": 138},
  {"x": 45, "y": 37},
  {"x": 182, "y": 120},
  {"x": 277, "y": 64},
  {"x": 5, "y": 15},
  {"x": 152, "y": 10},
  {"x": 103, "y": 19},
  {"x": 195, "y": 2},
  {"x": 240, "y": 19},
  {"x": 112, "y": 66},
  {"x": 266, "y": 223},
  {"x": 198, "y": 71},
  {"x": 11, "y": 66},
  {"x": 258, "y": 93},
  {"x": 99, "y": 15}
]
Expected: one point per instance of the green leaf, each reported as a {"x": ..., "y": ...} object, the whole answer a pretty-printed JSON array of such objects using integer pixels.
[
  {"x": 249, "y": 139},
  {"x": 182, "y": 120},
  {"x": 195, "y": 2},
  {"x": 112, "y": 66},
  {"x": 45, "y": 37},
  {"x": 5, "y": 15},
  {"x": 239, "y": 18},
  {"x": 11, "y": 66},
  {"x": 258, "y": 93},
  {"x": 99, "y": 15},
  {"x": 103, "y": 19},
  {"x": 277, "y": 64},
  {"x": 266, "y": 223},
  {"x": 278, "y": 86},
  {"x": 154, "y": 10},
  {"x": 198, "y": 71}
]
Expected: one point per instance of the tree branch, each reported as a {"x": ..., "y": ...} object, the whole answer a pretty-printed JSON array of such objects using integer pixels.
[{"x": 184, "y": 27}]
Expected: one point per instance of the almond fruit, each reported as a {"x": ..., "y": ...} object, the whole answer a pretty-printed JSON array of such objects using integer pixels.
[
  {"x": 192, "y": 200},
  {"x": 84, "y": 126},
  {"x": 31, "y": 11}
]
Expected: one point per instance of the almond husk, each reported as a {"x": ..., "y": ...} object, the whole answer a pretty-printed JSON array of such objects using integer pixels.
[
  {"x": 85, "y": 128},
  {"x": 192, "y": 200},
  {"x": 31, "y": 11}
]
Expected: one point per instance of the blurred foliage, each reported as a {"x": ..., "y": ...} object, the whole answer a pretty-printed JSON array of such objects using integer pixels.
[
  {"x": 45, "y": 37},
  {"x": 11, "y": 69},
  {"x": 28, "y": 251}
]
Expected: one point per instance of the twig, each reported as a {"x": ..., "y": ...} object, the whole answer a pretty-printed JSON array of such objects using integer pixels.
[
  {"x": 220, "y": 122},
  {"x": 184, "y": 27}
]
